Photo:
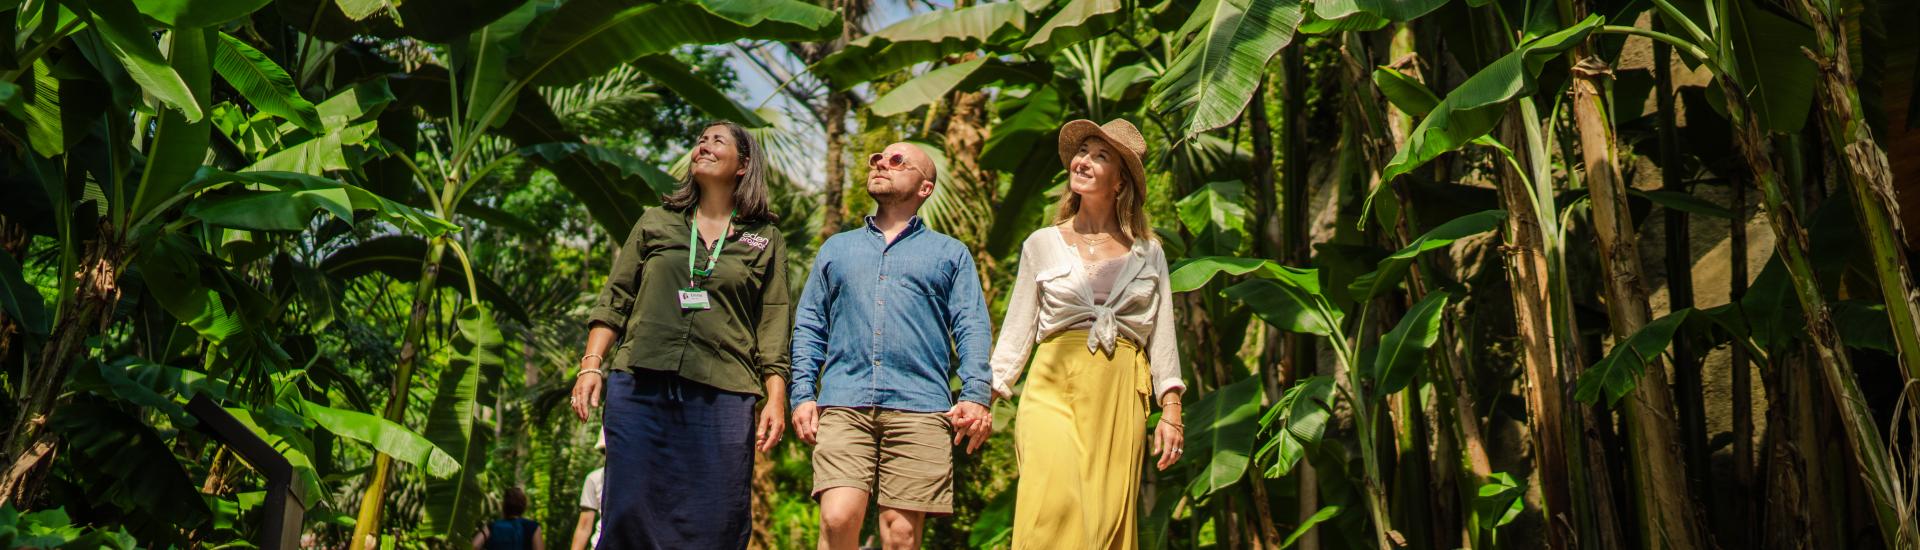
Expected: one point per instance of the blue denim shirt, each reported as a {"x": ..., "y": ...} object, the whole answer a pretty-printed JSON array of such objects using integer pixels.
[{"x": 880, "y": 325}]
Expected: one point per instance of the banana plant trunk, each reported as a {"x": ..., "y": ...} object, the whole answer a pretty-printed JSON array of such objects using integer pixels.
[
  {"x": 30, "y": 447},
  {"x": 1666, "y": 510},
  {"x": 1867, "y": 172},
  {"x": 1870, "y": 453},
  {"x": 373, "y": 500},
  {"x": 1527, "y": 280}
]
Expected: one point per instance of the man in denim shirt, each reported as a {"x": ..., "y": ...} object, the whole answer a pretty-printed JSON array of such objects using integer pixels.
[{"x": 885, "y": 311}]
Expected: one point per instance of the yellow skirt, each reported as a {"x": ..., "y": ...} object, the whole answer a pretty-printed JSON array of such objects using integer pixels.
[{"x": 1080, "y": 438}]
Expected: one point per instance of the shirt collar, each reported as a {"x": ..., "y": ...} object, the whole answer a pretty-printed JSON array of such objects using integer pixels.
[{"x": 914, "y": 224}]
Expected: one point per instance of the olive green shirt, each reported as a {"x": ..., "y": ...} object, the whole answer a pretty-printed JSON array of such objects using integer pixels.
[{"x": 734, "y": 344}]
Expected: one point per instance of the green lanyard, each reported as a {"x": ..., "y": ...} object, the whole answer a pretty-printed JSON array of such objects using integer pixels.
[{"x": 695, "y": 274}]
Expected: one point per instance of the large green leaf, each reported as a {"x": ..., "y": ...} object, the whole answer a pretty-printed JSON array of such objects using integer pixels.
[
  {"x": 384, "y": 435},
  {"x": 324, "y": 152},
  {"x": 444, "y": 21},
  {"x": 1026, "y": 124},
  {"x": 1388, "y": 273},
  {"x": 1405, "y": 93},
  {"x": 265, "y": 85},
  {"x": 1325, "y": 513},
  {"x": 197, "y": 13},
  {"x": 174, "y": 269},
  {"x": 1211, "y": 80},
  {"x": 482, "y": 58},
  {"x": 1619, "y": 372},
  {"x": 1023, "y": 207},
  {"x": 1297, "y": 421},
  {"x": 40, "y": 101},
  {"x": 1401, "y": 350},
  {"x": 1079, "y": 21},
  {"x": 1473, "y": 109},
  {"x": 1394, "y": 10},
  {"x": 1217, "y": 217},
  {"x": 1191, "y": 274},
  {"x": 1287, "y": 303},
  {"x": 126, "y": 464},
  {"x": 180, "y": 138},
  {"x": 1772, "y": 65},
  {"x": 283, "y": 201},
  {"x": 615, "y": 186},
  {"x": 1224, "y": 424},
  {"x": 934, "y": 86},
  {"x": 400, "y": 256},
  {"x": 696, "y": 90},
  {"x": 584, "y": 38},
  {"x": 132, "y": 43},
  {"x": 922, "y": 38},
  {"x": 19, "y": 299},
  {"x": 455, "y": 425},
  {"x": 1498, "y": 502}
]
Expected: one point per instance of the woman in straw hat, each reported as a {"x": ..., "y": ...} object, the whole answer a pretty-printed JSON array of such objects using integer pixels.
[{"x": 1092, "y": 290}]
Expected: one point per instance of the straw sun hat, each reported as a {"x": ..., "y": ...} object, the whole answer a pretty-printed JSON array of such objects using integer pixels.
[{"x": 1119, "y": 133}]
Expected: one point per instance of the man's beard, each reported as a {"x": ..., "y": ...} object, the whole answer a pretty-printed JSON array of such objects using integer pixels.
[{"x": 886, "y": 195}]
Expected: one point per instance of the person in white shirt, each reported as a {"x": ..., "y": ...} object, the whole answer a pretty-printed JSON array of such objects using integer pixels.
[
  {"x": 586, "y": 532},
  {"x": 1092, "y": 290}
]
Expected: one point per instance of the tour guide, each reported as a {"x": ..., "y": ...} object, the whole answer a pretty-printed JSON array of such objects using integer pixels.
[{"x": 698, "y": 297}]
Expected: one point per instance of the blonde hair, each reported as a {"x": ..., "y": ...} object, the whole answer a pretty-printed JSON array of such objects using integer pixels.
[{"x": 1129, "y": 205}]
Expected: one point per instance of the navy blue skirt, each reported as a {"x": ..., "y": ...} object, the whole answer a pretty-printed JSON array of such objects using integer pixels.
[{"x": 679, "y": 464}]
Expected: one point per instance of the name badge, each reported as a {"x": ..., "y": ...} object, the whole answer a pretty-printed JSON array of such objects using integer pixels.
[{"x": 694, "y": 298}]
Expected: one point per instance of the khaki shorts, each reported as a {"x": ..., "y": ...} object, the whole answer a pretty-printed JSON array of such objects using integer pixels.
[{"x": 906, "y": 458}]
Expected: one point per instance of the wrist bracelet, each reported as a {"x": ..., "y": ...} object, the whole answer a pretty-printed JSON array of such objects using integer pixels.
[
  {"x": 1182, "y": 427},
  {"x": 595, "y": 370},
  {"x": 583, "y": 358}
]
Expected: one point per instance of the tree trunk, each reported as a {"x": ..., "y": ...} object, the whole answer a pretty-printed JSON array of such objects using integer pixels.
[
  {"x": 833, "y": 206},
  {"x": 1666, "y": 511},
  {"x": 373, "y": 501},
  {"x": 832, "y": 203},
  {"x": 1862, "y": 429},
  {"x": 1295, "y": 351},
  {"x": 30, "y": 447},
  {"x": 1867, "y": 173},
  {"x": 1526, "y": 264}
]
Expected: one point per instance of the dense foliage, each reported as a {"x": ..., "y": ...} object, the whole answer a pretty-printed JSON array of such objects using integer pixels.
[{"x": 1475, "y": 273}]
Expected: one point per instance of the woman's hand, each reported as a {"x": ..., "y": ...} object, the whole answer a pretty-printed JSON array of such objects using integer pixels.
[
  {"x": 773, "y": 415},
  {"x": 1169, "y": 436},
  {"x": 587, "y": 388}
]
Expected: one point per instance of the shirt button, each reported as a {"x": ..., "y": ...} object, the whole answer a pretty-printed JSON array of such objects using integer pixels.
[
  {"x": 883, "y": 277},
  {"x": 876, "y": 362},
  {"x": 876, "y": 333}
]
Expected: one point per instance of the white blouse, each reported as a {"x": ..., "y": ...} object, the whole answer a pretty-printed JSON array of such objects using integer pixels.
[{"x": 1052, "y": 293}]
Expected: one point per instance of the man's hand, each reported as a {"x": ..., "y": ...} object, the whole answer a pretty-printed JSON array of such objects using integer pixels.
[
  {"x": 971, "y": 421},
  {"x": 806, "y": 422}
]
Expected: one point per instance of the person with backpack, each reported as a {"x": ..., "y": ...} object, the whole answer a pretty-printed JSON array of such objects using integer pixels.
[{"x": 511, "y": 531}]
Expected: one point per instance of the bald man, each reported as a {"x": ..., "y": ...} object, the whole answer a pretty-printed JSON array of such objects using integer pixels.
[{"x": 885, "y": 312}]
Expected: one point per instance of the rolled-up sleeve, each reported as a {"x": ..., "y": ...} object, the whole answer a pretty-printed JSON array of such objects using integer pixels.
[
  {"x": 615, "y": 302},
  {"x": 776, "y": 315},
  {"x": 972, "y": 331}
]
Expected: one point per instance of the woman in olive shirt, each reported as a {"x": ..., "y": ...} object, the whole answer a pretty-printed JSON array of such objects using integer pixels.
[{"x": 697, "y": 301}]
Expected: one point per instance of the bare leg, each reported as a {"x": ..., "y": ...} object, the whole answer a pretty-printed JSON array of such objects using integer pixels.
[
  {"x": 900, "y": 529},
  {"x": 842, "y": 510}
]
